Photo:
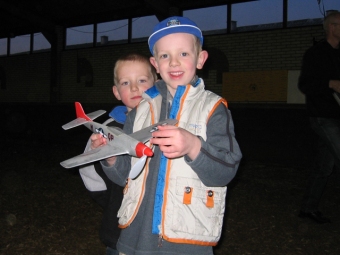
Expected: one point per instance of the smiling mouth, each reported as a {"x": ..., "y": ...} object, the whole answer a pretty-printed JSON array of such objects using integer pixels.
[{"x": 176, "y": 73}]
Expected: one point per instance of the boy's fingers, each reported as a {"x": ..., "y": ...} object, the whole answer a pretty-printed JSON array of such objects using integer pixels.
[
  {"x": 165, "y": 127},
  {"x": 98, "y": 141}
]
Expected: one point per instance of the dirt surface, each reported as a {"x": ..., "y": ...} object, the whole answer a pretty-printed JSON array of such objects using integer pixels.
[{"x": 45, "y": 209}]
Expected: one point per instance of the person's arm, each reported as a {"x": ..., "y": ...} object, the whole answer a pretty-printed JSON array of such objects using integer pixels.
[
  {"x": 94, "y": 178},
  {"x": 119, "y": 171},
  {"x": 94, "y": 181},
  {"x": 315, "y": 73},
  {"x": 220, "y": 155}
]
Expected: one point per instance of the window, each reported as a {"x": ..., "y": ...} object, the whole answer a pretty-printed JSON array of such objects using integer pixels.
[
  {"x": 207, "y": 19},
  {"x": 20, "y": 44},
  {"x": 142, "y": 27},
  {"x": 257, "y": 15},
  {"x": 309, "y": 12},
  {"x": 112, "y": 32},
  {"x": 40, "y": 43},
  {"x": 247, "y": 16},
  {"x": 79, "y": 37},
  {"x": 3, "y": 47}
]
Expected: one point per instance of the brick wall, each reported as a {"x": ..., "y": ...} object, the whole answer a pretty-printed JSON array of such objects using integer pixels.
[
  {"x": 266, "y": 50},
  {"x": 102, "y": 60},
  {"x": 28, "y": 76}
]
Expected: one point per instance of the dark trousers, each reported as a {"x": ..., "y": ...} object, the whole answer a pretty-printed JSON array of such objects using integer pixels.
[
  {"x": 110, "y": 251},
  {"x": 328, "y": 156}
]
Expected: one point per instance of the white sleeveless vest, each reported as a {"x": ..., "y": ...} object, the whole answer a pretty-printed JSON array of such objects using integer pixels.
[{"x": 190, "y": 211}]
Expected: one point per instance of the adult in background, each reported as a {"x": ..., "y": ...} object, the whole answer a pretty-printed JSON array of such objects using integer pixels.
[{"x": 320, "y": 81}]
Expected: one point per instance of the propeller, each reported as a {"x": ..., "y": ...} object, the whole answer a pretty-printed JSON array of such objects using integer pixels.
[{"x": 138, "y": 167}]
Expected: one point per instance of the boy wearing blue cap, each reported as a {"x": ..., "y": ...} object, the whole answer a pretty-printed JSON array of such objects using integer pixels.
[{"x": 176, "y": 205}]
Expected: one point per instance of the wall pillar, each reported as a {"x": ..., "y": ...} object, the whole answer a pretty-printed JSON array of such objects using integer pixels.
[{"x": 57, "y": 46}]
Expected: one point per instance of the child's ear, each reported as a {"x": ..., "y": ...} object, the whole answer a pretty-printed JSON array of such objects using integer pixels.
[
  {"x": 116, "y": 92},
  {"x": 154, "y": 63},
  {"x": 202, "y": 57}
]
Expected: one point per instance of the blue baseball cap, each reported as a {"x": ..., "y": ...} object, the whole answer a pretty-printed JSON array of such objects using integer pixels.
[{"x": 173, "y": 25}]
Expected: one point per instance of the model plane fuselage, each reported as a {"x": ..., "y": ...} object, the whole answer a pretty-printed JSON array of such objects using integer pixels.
[
  {"x": 118, "y": 142},
  {"x": 115, "y": 136}
]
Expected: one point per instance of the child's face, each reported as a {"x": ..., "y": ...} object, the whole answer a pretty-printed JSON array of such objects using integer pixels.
[
  {"x": 176, "y": 59},
  {"x": 133, "y": 78}
]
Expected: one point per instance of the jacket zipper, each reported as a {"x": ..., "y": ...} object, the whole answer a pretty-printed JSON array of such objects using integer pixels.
[{"x": 160, "y": 240}]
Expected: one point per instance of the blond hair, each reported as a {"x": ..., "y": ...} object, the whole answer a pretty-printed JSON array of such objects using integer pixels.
[{"x": 133, "y": 57}]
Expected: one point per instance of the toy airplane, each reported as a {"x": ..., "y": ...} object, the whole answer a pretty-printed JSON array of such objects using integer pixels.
[{"x": 118, "y": 142}]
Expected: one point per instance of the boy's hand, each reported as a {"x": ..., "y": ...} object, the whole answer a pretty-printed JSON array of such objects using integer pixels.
[
  {"x": 175, "y": 142},
  {"x": 98, "y": 140}
]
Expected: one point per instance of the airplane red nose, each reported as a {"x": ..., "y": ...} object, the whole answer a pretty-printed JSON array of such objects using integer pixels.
[{"x": 142, "y": 149}]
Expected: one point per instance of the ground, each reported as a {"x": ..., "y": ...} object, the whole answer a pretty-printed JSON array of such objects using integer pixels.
[{"x": 45, "y": 209}]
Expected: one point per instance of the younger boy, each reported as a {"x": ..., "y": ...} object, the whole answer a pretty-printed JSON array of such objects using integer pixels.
[
  {"x": 133, "y": 74},
  {"x": 176, "y": 205}
]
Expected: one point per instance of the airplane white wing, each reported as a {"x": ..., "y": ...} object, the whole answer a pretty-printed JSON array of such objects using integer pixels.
[
  {"x": 74, "y": 123},
  {"x": 145, "y": 134},
  {"x": 96, "y": 114},
  {"x": 110, "y": 150},
  {"x": 100, "y": 153}
]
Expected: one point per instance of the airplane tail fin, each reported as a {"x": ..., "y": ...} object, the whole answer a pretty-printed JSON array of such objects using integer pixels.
[
  {"x": 82, "y": 118},
  {"x": 80, "y": 111}
]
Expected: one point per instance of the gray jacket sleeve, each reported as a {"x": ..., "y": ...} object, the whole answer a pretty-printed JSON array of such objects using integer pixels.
[
  {"x": 119, "y": 172},
  {"x": 220, "y": 154}
]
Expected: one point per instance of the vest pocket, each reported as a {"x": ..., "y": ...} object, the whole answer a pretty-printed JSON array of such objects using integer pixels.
[{"x": 203, "y": 216}]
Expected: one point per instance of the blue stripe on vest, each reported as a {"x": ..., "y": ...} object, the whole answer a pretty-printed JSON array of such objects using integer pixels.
[{"x": 159, "y": 196}]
